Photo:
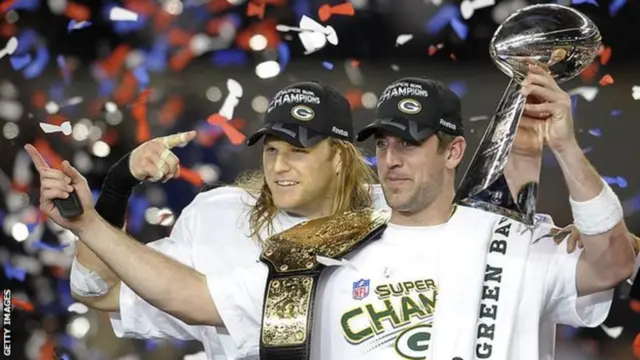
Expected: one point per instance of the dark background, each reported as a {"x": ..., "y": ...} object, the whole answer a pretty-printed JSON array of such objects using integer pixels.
[{"x": 607, "y": 129}]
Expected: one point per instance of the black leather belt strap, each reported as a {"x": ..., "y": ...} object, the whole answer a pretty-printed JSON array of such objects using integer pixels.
[{"x": 294, "y": 272}]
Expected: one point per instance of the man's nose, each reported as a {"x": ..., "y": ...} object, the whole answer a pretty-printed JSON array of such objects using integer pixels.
[{"x": 281, "y": 164}]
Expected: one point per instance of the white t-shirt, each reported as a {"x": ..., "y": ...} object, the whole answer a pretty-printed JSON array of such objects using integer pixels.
[
  {"x": 211, "y": 236},
  {"x": 380, "y": 305}
]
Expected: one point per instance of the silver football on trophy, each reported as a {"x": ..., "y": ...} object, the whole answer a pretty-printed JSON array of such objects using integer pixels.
[{"x": 558, "y": 37}]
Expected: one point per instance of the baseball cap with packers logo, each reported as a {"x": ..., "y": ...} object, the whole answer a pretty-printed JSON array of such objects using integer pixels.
[
  {"x": 305, "y": 113},
  {"x": 414, "y": 109}
]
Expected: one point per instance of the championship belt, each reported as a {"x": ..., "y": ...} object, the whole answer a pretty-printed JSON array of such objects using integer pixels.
[{"x": 291, "y": 256}]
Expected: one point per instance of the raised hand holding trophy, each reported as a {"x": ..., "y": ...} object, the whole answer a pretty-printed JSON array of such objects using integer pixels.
[{"x": 556, "y": 37}]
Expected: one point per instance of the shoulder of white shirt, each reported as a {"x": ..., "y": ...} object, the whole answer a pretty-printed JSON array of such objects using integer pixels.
[{"x": 225, "y": 198}]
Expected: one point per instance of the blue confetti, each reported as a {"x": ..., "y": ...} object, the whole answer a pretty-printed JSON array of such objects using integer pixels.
[
  {"x": 19, "y": 62},
  {"x": 137, "y": 207},
  {"x": 26, "y": 41},
  {"x": 66, "y": 75},
  {"x": 442, "y": 18},
  {"x": 229, "y": 57},
  {"x": 106, "y": 87},
  {"x": 301, "y": 8},
  {"x": 631, "y": 205},
  {"x": 56, "y": 92},
  {"x": 595, "y": 132},
  {"x": 371, "y": 160},
  {"x": 14, "y": 272},
  {"x": 616, "y": 112},
  {"x": 327, "y": 65},
  {"x": 39, "y": 63},
  {"x": 284, "y": 55},
  {"x": 459, "y": 88},
  {"x": 156, "y": 59},
  {"x": 615, "y": 6},
  {"x": 574, "y": 105},
  {"x": 44, "y": 246},
  {"x": 460, "y": 28},
  {"x": 77, "y": 25},
  {"x": 30, "y": 5},
  {"x": 234, "y": 19},
  {"x": 141, "y": 74},
  {"x": 581, "y": 2},
  {"x": 151, "y": 344},
  {"x": 2, "y": 215},
  {"x": 618, "y": 180}
]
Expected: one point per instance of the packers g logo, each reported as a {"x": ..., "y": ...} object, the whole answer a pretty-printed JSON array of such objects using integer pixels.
[
  {"x": 409, "y": 106},
  {"x": 413, "y": 343},
  {"x": 302, "y": 112}
]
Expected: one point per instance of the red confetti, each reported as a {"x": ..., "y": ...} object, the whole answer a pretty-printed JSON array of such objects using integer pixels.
[
  {"x": 606, "y": 80},
  {"x": 432, "y": 50},
  {"x": 6, "y": 5},
  {"x": 355, "y": 63},
  {"x": 191, "y": 176},
  {"x": 635, "y": 305},
  {"x": 234, "y": 136},
  {"x": 354, "y": 97},
  {"x": 590, "y": 72},
  {"x": 22, "y": 305},
  {"x": 605, "y": 55},
  {"x": 636, "y": 347},
  {"x": 181, "y": 59},
  {"x": 325, "y": 11},
  {"x": 77, "y": 12},
  {"x": 256, "y": 8},
  {"x": 139, "y": 113}
]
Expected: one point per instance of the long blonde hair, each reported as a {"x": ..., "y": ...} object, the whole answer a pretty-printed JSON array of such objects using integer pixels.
[{"x": 353, "y": 190}]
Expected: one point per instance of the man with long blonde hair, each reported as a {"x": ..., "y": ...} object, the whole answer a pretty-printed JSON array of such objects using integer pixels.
[{"x": 182, "y": 289}]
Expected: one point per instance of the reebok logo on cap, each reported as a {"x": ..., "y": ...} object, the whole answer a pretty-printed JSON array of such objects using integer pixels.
[
  {"x": 409, "y": 106},
  {"x": 448, "y": 124},
  {"x": 341, "y": 132},
  {"x": 302, "y": 112}
]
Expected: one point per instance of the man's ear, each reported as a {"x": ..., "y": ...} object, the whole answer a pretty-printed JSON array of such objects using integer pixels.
[{"x": 455, "y": 152}]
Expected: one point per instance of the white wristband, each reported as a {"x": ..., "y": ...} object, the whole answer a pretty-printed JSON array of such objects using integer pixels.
[
  {"x": 598, "y": 215},
  {"x": 85, "y": 282}
]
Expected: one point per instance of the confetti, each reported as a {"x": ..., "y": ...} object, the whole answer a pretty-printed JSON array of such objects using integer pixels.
[
  {"x": 325, "y": 11},
  {"x": 14, "y": 272},
  {"x": 10, "y": 48},
  {"x": 327, "y": 65},
  {"x": 595, "y": 132},
  {"x": 442, "y": 18},
  {"x": 581, "y": 2},
  {"x": 117, "y": 13},
  {"x": 64, "y": 128},
  {"x": 468, "y": 7},
  {"x": 635, "y": 92},
  {"x": 615, "y": 6},
  {"x": 77, "y": 25},
  {"x": 586, "y": 92},
  {"x": 606, "y": 80},
  {"x": 612, "y": 332},
  {"x": 20, "y": 62},
  {"x": 403, "y": 39},
  {"x": 460, "y": 28},
  {"x": 618, "y": 180},
  {"x": 605, "y": 55}
]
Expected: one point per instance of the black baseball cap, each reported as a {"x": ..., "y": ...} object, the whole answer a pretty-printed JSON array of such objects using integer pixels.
[
  {"x": 305, "y": 113},
  {"x": 414, "y": 109}
]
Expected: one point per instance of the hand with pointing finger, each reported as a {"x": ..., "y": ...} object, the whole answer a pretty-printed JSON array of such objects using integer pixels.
[
  {"x": 154, "y": 159},
  {"x": 58, "y": 184}
]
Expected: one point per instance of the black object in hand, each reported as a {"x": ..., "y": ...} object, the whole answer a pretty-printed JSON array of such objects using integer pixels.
[{"x": 70, "y": 207}]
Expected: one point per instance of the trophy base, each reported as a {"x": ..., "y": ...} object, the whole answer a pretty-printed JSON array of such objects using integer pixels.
[{"x": 497, "y": 209}]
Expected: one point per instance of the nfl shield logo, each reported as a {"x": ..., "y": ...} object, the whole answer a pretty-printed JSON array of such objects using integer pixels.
[{"x": 361, "y": 289}]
